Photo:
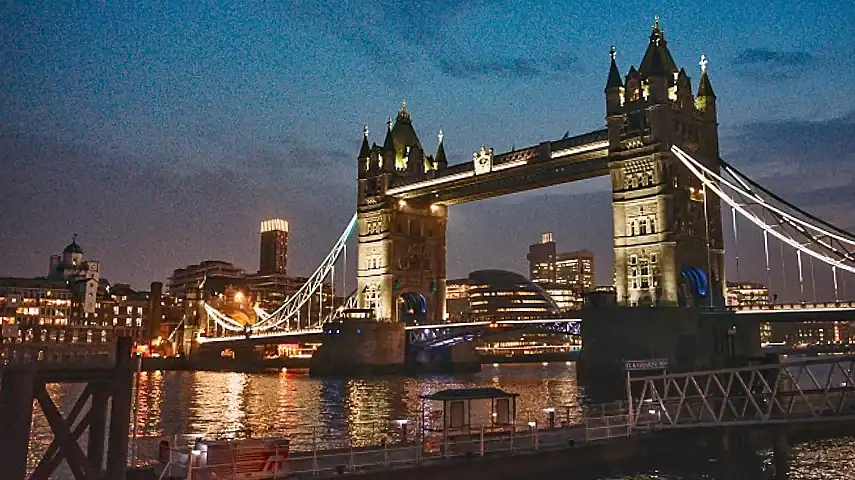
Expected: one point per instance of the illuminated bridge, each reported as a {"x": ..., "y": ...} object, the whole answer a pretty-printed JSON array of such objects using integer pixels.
[{"x": 672, "y": 194}]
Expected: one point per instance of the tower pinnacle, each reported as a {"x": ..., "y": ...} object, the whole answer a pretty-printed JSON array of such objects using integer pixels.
[
  {"x": 365, "y": 131},
  {"x": 703, "y": 63},
  {"x": 403, "y": 114},
  {"x": 614, "y": 80},
  {"x": 439, "y": 135}
]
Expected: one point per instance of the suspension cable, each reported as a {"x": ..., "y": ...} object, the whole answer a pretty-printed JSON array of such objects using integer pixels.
[
  {"x": 801, "y": 277},
  {"x": 691, "y": 163},
  {"x": 735, "y": 243},
  {"x": 845, "y": 237},
  {"x": 295, "y": 303}
]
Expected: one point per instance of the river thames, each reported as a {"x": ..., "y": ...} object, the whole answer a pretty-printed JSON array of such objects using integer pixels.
[{"x": 360, "y": 411}]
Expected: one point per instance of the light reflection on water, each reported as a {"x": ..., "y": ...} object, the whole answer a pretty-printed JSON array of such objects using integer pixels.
[{"x": 335, "y": 412}]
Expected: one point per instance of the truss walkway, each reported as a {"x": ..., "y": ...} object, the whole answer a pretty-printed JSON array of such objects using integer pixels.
[{"x": 812, "y": 390}]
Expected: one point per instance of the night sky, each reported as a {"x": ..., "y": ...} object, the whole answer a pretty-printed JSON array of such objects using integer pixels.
[{"x": 164, "y": 134}]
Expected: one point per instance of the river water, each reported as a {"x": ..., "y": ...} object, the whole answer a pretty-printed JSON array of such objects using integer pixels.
[{"x": 360, "y": 411}]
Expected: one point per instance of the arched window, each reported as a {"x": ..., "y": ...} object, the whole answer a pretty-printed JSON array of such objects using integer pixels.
[{"x": 642, "y": 226}]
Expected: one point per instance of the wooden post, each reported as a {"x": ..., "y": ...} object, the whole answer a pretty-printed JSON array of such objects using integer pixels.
[
  {"x": 97, "y": 426},
  {"x": 16, "y": 413},
  {"x": 120, "y": 411}
]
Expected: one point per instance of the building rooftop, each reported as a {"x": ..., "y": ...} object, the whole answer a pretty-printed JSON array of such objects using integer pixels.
[
  {"x": 38, "y": 282},
  {"x": 469, "y": 394}
]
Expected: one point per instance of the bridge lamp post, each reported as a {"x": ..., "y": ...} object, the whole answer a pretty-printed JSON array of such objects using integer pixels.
[{"x": 533, "y": 427}]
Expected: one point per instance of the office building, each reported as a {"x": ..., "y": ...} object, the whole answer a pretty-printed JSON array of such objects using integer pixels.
[
  {"x": 185, "y": 282},
  {"x": 499, "y": 294},
  {"x": 745, "y": 294},
  {"x": 457, "y": 301},
  {"x": 35, "y": 301},
  {"x": 569, "y": 274}
]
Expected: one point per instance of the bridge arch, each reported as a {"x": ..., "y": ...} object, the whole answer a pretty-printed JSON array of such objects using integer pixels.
[{"x": 412, "y": 308}]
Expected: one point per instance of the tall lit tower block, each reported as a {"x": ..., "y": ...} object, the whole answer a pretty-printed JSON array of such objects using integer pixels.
[
  {"x": 274, "y": 247},
  {"x": 667, "y": 230}
]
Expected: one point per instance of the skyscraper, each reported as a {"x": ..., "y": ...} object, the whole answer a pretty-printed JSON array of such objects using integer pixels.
[
  {"x": 274, "y": 247},
  {"x": 541, "y": 259},
  {"x": 566, "y": 276}
]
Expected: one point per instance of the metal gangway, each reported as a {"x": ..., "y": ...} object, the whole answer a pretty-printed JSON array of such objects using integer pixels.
[{"x": 805, "y": 390}]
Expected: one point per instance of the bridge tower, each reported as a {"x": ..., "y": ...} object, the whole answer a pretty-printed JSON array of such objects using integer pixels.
[
  {"x": 667, "y": 232},
  {"x": 401, "y": 243}
]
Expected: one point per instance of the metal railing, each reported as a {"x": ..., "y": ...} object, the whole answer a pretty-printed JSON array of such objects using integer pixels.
[
  {"x": 836, "y": 305},
  {"x": 403, "y": 449},
  {"x": 58, "y": 346},
  {"x": 820, "y": 389}
]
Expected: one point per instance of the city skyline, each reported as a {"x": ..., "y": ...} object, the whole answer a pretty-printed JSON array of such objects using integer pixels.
[{"x": 137, "y": 153}]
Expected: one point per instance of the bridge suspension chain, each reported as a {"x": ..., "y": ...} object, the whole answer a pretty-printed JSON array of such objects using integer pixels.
[
  {"x": 811, "y": 229},
  {"x": 292, "y": 306}
]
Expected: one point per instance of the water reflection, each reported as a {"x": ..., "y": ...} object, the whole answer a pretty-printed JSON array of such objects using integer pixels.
[{"x": 359, "y": 411}]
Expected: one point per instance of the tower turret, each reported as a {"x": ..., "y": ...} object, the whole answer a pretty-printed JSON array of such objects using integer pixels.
[
  {"x": 614, "y": 86},
  {"x": 440, "y": 160},
  {"x": 705, "y": 100},
  {"x": 664, "y": 233},
  {"x": 364, "y": 158},
  {"x": 683, "y": 91}
]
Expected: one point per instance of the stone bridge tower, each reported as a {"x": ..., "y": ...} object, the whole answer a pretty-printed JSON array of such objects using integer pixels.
[
  {"x": 667, "y": 232},
  {"x": 401, "y": 246}
]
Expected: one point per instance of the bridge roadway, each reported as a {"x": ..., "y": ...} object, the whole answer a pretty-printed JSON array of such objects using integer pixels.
[
  {"x": 427, "y": 334},
  {"x": 783, "y": 313},
  {"x": 801, "y": 312}
]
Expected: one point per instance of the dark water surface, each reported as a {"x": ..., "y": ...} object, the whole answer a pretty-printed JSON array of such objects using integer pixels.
[{"x": 337, "y": 412}]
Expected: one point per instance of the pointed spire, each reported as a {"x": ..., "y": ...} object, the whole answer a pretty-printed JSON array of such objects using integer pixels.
[
  {"x": 440, "y": 159},
  {"x": 365, "y": 150},
  {"x": 705, "y": 87},
  {"x": 614, "y": 79},
  {"x": 632, "y": 73},
  {"x": 657, "y": 44}
]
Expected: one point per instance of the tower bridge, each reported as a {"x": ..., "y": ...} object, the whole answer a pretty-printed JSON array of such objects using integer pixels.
[
  {"x": 668, "y": 245},
  {"x": 660, "y": 150}
]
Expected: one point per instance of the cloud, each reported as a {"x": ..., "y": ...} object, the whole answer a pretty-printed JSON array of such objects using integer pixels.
[
  {"x": 143, "y": 221},
  {"x": 761, "y": 56},
  {"x": 765, "y": 64},
  {"x": 401, "y": 35},
  {"x": 809, "y": 163},
  {"x": 519, "y": 67}
]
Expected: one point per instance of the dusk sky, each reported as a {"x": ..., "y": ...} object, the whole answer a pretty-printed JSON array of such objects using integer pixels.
[{"x": 163, "y": 134}]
